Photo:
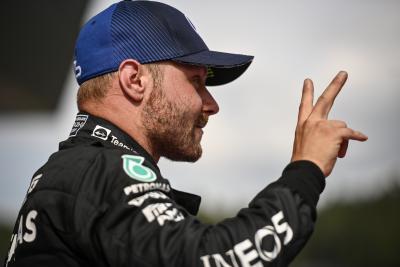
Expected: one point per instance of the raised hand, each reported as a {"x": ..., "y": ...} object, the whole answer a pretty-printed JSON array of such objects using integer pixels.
[{"x": 318, "y": 139}]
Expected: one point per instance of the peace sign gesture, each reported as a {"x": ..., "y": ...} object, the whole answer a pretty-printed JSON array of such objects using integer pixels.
[{"x": 318, "y": 139}]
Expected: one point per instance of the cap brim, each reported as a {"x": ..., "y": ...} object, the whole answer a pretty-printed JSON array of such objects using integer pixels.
[{"x": 222, "y": 67}]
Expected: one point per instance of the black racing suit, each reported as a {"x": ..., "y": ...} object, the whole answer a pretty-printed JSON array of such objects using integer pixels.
[{"x": 102, "y": 201}]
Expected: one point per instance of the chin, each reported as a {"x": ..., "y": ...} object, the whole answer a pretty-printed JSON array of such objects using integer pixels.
[{"x": 185, "y": 156}]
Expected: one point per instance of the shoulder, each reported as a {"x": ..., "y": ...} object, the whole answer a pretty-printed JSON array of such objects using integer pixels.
[{"x": 89, "y": 168}]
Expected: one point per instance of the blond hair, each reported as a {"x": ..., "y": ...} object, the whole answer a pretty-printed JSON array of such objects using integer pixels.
[{"x": 96, "y": 88}]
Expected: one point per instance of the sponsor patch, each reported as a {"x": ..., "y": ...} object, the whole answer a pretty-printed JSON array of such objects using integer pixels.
[
  {"x": 138, "y": 201},
  {"x": 116, "y": 142},
  {"x": 133, "y": 167},
  {"x": 34, "y": 182},
  {"x": 26, "y": 233},
  {"x": 101, "y": 132},
  {"x": 162, "y": 212},
  {"x": 267, "y": 245},
  {"x": 140, "y": 188},
  {"x": 80, "y": 121}
]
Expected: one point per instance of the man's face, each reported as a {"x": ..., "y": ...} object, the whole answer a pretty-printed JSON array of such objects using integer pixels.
[{"x": 177, "y": 110}]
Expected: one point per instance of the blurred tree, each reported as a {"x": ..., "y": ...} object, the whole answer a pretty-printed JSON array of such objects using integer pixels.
[
  {"x": 363, "y": 233},
  {"x": 5, "y": 236}
]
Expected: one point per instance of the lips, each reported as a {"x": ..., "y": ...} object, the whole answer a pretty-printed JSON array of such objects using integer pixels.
[{"x": 201, "y": 121}]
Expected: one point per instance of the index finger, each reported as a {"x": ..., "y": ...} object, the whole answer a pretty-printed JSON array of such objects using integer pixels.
[
  {"x": 306, "y": 103},
  {"x": 326, "y": 100}
]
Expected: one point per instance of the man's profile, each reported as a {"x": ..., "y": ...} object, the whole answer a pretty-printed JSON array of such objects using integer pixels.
[{"x": 101, "y": 199}]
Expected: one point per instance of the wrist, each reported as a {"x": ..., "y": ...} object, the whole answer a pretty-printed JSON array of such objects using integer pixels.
[{"x": 315, "y": 162}]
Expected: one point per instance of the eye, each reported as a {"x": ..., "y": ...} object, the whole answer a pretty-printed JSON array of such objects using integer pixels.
[{"x": 198, "y": 82}]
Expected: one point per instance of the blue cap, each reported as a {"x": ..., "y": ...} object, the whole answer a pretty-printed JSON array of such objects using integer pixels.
[{"x": 148, "y": 32}]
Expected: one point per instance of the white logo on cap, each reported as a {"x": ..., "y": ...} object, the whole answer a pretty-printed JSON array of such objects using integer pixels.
[
  {"x": 78, "y": 70},
  {"x": 101, "y": 132}
]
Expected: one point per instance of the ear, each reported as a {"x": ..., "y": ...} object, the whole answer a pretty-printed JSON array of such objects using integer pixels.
[{"x": 132, "y": 79}]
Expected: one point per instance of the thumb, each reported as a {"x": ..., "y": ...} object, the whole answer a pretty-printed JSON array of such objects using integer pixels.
[{"x": 350, "y": 134}]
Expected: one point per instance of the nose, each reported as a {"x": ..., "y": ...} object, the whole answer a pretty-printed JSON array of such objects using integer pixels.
[{"x": 210, "y": 106}]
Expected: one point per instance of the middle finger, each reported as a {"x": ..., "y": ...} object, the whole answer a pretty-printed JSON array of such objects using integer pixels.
[{"x": 326, "y": 100}]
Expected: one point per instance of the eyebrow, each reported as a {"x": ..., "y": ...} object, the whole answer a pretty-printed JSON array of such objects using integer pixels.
[{"x": 193, "y": 72}]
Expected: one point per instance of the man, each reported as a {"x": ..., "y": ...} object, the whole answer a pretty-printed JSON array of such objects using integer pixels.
[{"x": 101, "y": 199}]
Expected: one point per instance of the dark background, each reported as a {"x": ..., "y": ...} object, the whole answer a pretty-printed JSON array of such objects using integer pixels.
[{"x": 37, "y": 42}]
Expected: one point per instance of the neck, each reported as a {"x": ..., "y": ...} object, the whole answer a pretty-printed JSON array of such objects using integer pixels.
[{"x": 125, "y": 118}]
